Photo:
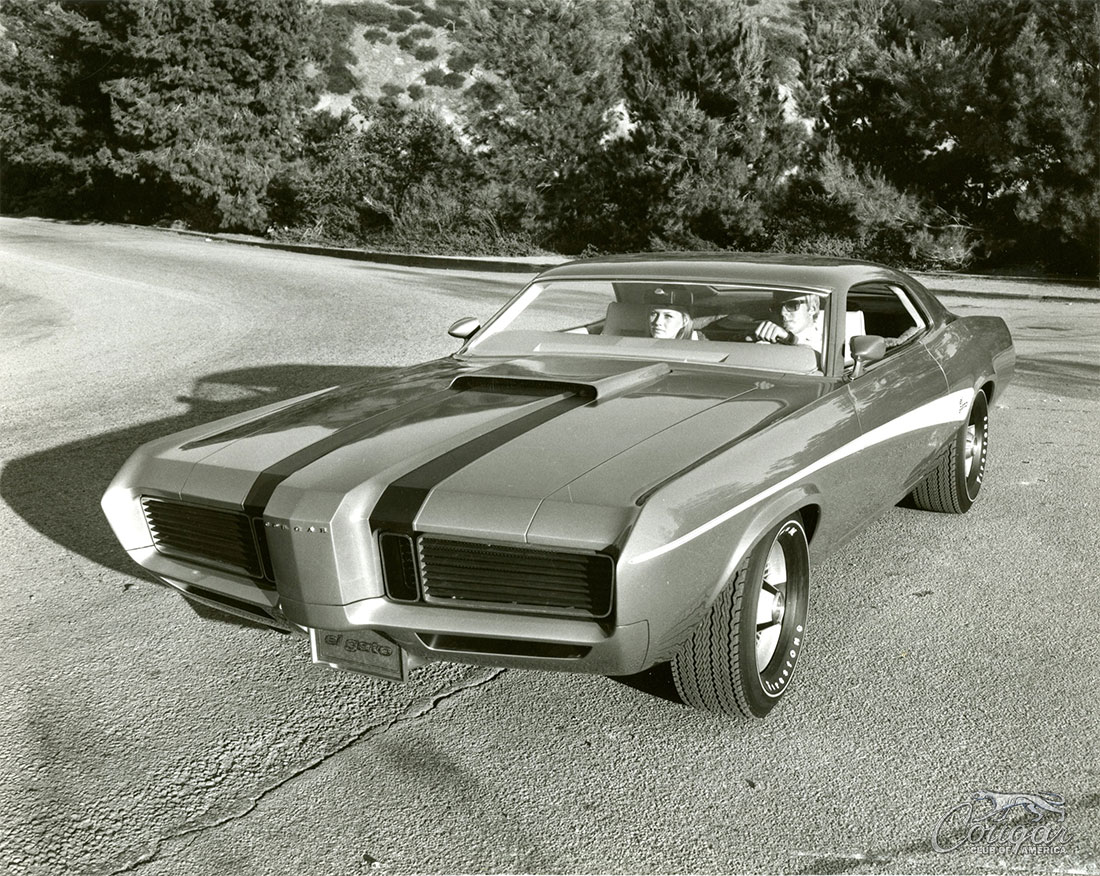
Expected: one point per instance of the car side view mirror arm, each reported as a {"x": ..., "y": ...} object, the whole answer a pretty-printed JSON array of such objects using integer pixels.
[
  {"x": 866, "y": 349},
  {"x": 464, "y": 328}
]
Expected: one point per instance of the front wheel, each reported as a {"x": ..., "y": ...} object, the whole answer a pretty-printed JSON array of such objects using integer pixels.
[{"x": 740, "y": 659}]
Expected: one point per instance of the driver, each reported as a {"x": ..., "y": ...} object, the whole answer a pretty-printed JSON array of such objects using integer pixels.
[
  {"x": 800, "y": 318},
  {"x": 670, "y": 322}
]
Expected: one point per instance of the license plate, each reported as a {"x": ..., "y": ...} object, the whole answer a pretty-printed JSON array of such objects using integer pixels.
[{"x": 360, "y": 651}]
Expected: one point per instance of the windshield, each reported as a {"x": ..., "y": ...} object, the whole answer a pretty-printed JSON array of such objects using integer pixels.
[{"x": 772, "y": 328}]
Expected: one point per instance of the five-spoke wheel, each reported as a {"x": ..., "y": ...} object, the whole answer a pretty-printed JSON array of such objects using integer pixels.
[{"x": 740, "y": 660}]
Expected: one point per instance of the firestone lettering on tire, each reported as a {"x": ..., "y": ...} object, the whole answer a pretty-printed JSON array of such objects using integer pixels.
[{"x": 775, "y": 687}]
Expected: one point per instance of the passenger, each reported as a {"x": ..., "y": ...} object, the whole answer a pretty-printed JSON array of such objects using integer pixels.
[
  {"x": 670, "y": 322},
  {"x": 902, "y": 338},
  {"x": 800, "y": 316}
]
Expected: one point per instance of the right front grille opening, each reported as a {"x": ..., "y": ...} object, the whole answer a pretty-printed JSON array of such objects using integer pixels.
[{"x": 515, "y": 577}]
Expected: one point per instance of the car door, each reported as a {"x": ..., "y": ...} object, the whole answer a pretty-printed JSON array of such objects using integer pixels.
[{"x": 902, "y": 401}]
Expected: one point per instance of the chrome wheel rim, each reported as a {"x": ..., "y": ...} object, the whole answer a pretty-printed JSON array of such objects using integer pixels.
[
  {"x": 973, "y": 447},
  {"x": 771, "y": 607}
]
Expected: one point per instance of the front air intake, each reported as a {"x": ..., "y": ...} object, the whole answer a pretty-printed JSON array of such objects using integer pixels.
[
  {"x": 399, "y": 572},
  {"x": 222, "y": 539},
  {"x": 522, "y": 386}
]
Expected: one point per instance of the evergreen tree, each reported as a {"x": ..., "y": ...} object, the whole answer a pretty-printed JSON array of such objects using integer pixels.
[
  {"x": 712, "y": 143},
  {"x": 543, "y": 104},
  {"x": 1048, "y": 161},
  {"x": 989, "y": 121},
  {"x": 43, "y": 104},
  {"x": 184, "y": 104},
  {"x": 371, "y": 171}
]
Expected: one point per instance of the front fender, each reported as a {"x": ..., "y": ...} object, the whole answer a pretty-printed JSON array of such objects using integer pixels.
[
  {"x": 692, "y": 533},
  {"x": 675, "y": 589}
]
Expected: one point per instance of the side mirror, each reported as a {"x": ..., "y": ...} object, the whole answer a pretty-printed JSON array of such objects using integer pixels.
[
  {"x": 464, "y": 328},
  {"x": 864, "y": 349}
]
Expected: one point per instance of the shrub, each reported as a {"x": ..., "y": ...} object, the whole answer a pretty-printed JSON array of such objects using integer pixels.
[{"x": 434, "y": 76}]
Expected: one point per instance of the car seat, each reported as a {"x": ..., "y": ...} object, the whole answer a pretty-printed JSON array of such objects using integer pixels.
[
  {"x": 627, "y": 320},
  {"x": 854, "y": 324}
]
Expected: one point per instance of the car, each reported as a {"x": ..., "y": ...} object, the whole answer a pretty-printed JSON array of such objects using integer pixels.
[{"x": 570, "y": 492}]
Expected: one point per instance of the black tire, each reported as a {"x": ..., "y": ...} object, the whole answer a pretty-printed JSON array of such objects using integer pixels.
[
  {"x": 953, "y": 485},
  {"x": 719, "y": 669}
]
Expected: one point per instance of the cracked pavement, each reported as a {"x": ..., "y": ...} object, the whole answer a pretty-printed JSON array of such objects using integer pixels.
[
  {"x": 140, "y": 736},
  {"x": 468, "y": 680}
]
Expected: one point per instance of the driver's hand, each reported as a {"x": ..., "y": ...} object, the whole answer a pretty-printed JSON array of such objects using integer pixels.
[{"x": 772, "y": 333}]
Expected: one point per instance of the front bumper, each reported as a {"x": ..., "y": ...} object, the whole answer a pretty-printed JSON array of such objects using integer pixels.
[
  {"x": 522, "y": 641},
  {"x": 238, "y": 597},
  {"x": 427, "y": 633}
]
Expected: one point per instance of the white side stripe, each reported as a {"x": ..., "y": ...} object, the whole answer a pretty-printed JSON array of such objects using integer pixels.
[{"x": 951, "y": 408}]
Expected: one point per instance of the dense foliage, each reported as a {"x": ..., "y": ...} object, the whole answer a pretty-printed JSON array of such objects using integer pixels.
[
  {"x": 913, "y": 131},
  {"x": 986, "y": 114},
  {"x": 150, "y": 109}
]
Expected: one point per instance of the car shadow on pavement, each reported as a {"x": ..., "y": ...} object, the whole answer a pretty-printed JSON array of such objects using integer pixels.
[
  {"x": 57, "y": 491},
  {"x": 656, "y": 681}
]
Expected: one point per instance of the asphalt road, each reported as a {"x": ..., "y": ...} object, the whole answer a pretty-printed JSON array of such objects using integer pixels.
[{"x": 948, "y": 654}]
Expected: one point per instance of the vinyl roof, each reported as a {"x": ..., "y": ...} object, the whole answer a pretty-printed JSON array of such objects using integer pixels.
[{"x": 765, "y": 269}]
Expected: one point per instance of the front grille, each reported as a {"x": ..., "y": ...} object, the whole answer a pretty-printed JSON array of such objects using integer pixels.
[
  {"x": 519, "y": 578},
  {"x": 223, "y": 539}
]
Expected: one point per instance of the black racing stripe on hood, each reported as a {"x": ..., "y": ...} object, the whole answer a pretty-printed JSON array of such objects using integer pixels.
[
  {"x": 402, "y": 500},
  {"x": 269, "y": 479}
]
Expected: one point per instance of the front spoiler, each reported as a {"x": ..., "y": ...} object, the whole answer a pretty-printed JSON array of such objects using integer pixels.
[{"x": 238, "y": 597}]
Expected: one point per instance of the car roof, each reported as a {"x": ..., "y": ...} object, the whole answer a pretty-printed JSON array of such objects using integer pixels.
[{"x": 765, "y": 269}]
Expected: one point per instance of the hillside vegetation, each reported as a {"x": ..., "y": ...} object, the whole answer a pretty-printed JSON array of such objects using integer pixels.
[{"x": 917, "y": 132}]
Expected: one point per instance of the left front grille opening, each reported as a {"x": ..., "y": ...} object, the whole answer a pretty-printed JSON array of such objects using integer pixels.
[{"x": 222, "y": 539}]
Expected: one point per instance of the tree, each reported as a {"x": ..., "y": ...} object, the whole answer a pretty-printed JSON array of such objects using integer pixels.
[
  {"x": 178, "y": 104},
  {"x": 366, "y": 172},
  {"x": 712, "y": 143},
  {"x": 1049, "y": 158},
  {"x": 42, "y": 122},
  {"x": 543, "y": 104},
  {"x": 989, "y": 121}
]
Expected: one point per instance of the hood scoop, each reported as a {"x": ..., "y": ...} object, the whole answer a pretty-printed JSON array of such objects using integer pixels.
[{"x": 531, "y": 378}]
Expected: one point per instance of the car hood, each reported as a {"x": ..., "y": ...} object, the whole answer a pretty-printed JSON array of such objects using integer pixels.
[{"x": 475, "y": 448}]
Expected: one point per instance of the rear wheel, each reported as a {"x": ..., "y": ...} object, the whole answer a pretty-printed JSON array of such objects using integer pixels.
[
  {"x": 953, "y": 485},
  {"x": 740, "y": 659}
]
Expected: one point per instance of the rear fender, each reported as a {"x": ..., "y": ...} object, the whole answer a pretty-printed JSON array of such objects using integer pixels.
[{"x": 974, "y": 351}]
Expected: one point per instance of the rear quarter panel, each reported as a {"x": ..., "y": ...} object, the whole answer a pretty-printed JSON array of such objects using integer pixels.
[{"x": 974, "y": 352}]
